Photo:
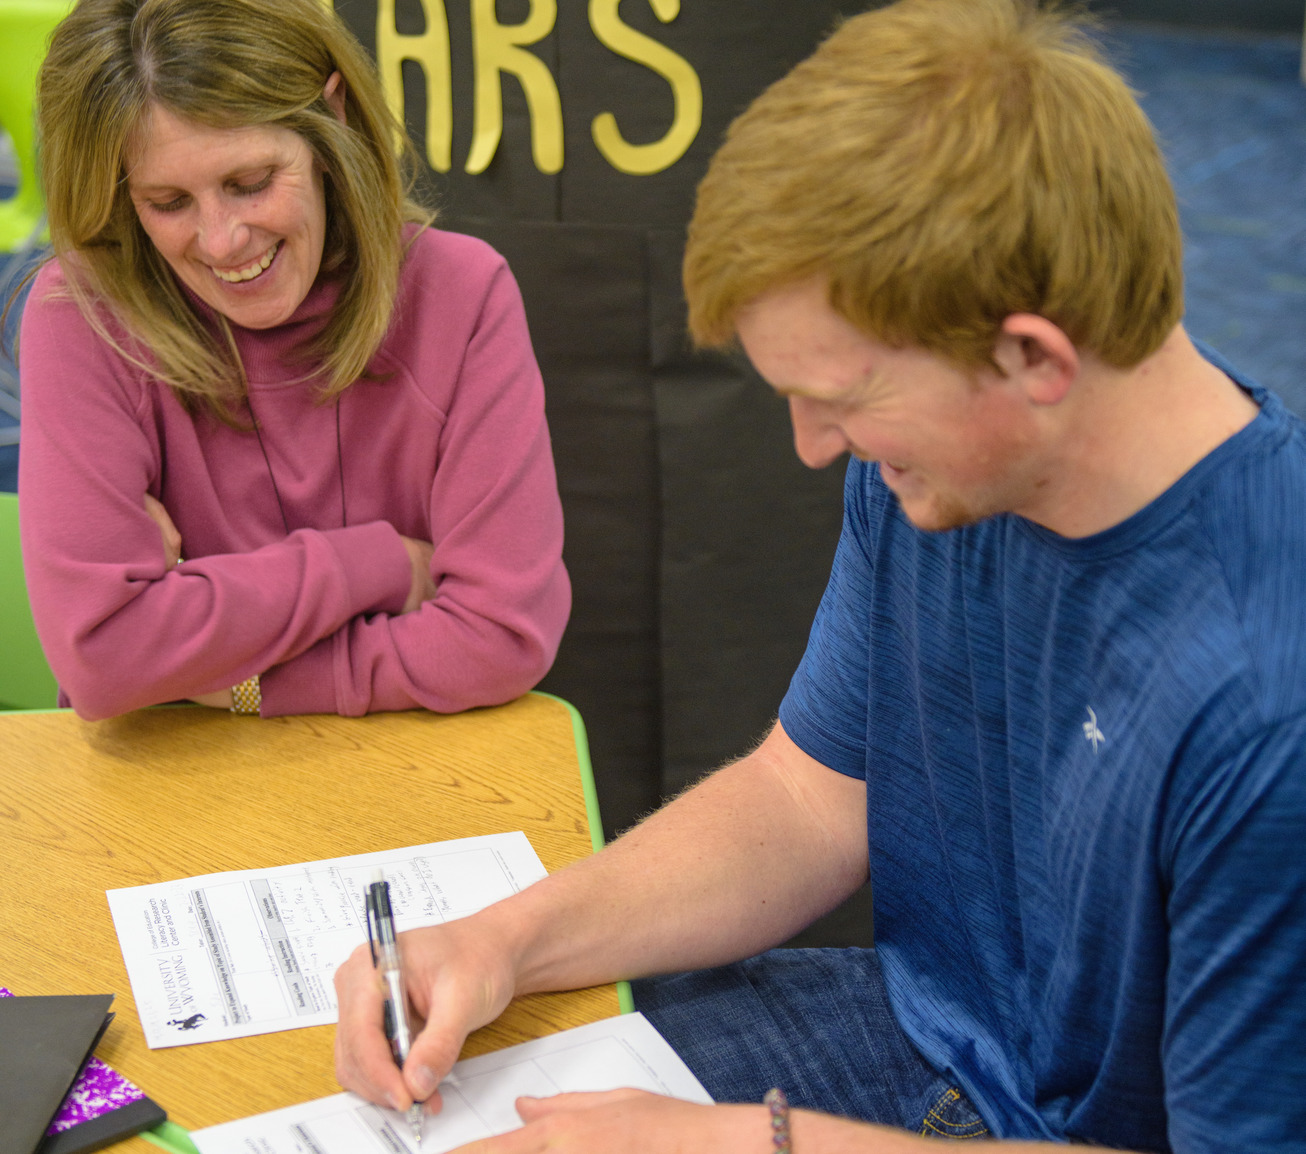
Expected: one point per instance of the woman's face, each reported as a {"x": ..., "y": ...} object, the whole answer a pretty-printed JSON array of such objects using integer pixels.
[{"x": 239, "y": 213}]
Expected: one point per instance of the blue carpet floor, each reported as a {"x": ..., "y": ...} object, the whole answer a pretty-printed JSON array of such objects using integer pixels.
[{"x": 1231, "y": 114}]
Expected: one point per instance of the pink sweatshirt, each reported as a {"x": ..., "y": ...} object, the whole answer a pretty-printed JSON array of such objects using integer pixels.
[{"x": 449, "y": 444}]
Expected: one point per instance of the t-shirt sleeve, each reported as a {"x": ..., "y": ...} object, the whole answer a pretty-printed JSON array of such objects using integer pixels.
[
  {"x": 825, "y": 710},
  {"x": 1233, "y": 1052}
]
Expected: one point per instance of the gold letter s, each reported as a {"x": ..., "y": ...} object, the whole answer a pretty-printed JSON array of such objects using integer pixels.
[
  {"x": 498, "y": 48},
  {"x": 643, "y": 159}
]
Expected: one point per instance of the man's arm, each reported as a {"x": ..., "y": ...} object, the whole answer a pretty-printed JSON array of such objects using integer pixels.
[
  {"x": 735, "y": 865},
  {"x": 636, "y": 1122}
]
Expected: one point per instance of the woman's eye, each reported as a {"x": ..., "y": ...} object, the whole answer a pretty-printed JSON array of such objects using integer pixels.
[
  {"x": 169, "y": 205},
  {"x": 250, "y": 189}
]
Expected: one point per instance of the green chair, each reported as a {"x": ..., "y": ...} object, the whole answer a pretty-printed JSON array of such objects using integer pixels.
[
  {"x": 25, "y": 679},
  {"x": 25, "y": 27}
]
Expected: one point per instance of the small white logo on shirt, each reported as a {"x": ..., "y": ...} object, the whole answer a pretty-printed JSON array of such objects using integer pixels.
[{"x": 1092, "y": 734}]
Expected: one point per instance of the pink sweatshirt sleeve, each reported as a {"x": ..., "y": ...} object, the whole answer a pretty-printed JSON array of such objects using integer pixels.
[
  {"x": 503, "y": 596},
  {"x": 119, "y": 629}
]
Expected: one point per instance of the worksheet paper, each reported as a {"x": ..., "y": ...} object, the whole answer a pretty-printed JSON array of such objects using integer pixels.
[
  {"x": 479, "y": 1096},
  {"x": 253, "y": 951}
]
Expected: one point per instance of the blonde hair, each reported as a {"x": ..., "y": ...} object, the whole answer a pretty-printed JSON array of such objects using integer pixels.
[
  {"x": 220, "y": 63},
  {"x": 946, "y": 163}
]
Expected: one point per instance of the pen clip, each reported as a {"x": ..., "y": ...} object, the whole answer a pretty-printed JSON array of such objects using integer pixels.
[{"x": 373, "y": 921}]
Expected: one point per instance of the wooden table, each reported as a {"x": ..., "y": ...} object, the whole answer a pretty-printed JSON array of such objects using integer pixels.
[{"x": 174, "y": 792}]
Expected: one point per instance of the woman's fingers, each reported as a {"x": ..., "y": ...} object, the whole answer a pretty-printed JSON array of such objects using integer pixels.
[{"x": 171, "y": 536}]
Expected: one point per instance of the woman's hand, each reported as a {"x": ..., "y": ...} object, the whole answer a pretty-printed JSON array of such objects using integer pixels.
[
  {"x": 419, "y": 555},
  {"x": 171, "y": 536},
  {"x": 423, "y": 588},
  {"x": 218, "y": 699},
  {"x": 632, "y": 1121}
]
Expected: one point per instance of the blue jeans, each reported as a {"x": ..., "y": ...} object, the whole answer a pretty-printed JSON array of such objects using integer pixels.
[{"x": 816, "y": 1023}]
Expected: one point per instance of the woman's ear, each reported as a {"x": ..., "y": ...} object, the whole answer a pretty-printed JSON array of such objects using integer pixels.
[
  {"x": 333, "y": 92},
  {"x": 1039, "y": 355}
]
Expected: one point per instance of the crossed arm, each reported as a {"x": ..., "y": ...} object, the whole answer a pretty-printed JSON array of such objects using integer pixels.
[
  {"x": 735, "y": 865},
  {"x": 419, "y": 557}
]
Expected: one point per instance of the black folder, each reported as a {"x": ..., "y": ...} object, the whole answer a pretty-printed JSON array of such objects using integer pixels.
[
  {"x": 44, "y": 1043},
  {"x": 114, "y": 1126}
]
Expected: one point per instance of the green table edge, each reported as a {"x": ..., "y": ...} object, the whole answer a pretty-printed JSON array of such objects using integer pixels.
[
  {"x": 625, "y": 999},
  {"x": 592, "y": 816},
  {"x": 171, "y": 1137}
]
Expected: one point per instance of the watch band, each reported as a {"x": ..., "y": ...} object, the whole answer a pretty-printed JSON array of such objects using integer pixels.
[{"x": 247, "y": 697}]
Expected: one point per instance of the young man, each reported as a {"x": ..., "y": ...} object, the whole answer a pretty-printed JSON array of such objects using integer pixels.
[{"x": 1057, "y": 684}]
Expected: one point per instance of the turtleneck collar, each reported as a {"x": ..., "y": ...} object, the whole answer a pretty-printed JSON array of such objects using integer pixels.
[{"x": 270, "y": 355}]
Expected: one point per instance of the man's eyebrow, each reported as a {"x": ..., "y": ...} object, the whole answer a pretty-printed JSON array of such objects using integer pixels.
[{"x": 855, "y": 387}]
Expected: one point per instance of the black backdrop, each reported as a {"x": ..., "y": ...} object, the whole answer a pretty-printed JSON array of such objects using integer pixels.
[{"x": 697, "y": 544}]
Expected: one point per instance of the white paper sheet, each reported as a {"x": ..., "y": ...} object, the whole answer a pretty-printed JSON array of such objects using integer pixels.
[
  {"x": 479, "y": 1096},
  {"x": 253, "y": 951}
]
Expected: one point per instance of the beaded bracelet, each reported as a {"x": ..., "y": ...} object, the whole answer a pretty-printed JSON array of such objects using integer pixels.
[{"x": 778, "y": 1104}]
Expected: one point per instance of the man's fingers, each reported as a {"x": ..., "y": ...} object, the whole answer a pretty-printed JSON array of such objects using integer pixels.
[
  {"x": 456, "y": 993},
  {"x": 434, "y": 1051},
  {"x": 453, "y": 982},
  {"x": 364, "y": 1063},
  {"x": 586, "y": 1130},
  {"x": 529, "y": 1109}
]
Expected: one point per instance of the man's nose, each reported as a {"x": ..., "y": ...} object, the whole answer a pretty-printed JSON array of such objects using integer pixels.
[{"x": 818, "y": 439}]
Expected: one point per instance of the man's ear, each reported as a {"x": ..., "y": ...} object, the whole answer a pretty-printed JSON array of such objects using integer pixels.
[
  {"x": 333, "y": 92},
  {"x": 1034, "y": 351}
]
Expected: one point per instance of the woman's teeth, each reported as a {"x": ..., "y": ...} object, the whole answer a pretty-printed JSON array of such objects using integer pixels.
[{"x": 249, "y": 273}]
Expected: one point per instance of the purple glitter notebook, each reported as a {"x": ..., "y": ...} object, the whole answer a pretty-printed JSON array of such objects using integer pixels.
[{"x": 101, "y": 1107}]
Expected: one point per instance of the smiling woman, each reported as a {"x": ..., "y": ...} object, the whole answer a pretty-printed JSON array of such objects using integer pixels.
[
  {"x": 239, "y": 214},
  {"x": 284, "y": 446}
]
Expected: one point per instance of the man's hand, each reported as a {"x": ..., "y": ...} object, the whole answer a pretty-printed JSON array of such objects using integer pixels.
[
  {"x": 459, "y": 977},
  {"x": 740, "y": 862},
  {"x": 630, "y": 1121},
  {"x": 171, "y": 536},
  {"x": 423, "y": 587}
]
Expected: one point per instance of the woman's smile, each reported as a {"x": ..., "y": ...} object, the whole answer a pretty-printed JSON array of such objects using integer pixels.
[{"x": 250, "y": 272}]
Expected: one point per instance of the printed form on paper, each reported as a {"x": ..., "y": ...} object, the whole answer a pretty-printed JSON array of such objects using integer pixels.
[
  {"x": 253, "y": 951},
  {"x": 479, "y": 1096}
]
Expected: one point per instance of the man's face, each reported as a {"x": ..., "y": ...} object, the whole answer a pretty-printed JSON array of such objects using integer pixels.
[{"x": 954, "y": 447}]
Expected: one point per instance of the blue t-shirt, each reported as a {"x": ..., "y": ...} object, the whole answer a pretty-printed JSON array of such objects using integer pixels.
[{"x": 1086, "y": 780}]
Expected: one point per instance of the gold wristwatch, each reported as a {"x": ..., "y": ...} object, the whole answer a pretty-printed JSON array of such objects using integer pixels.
[{"x": 247, "y": 697}]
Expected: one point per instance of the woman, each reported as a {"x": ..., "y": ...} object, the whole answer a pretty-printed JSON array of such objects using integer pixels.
[{"x": 284, "y": 447}]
